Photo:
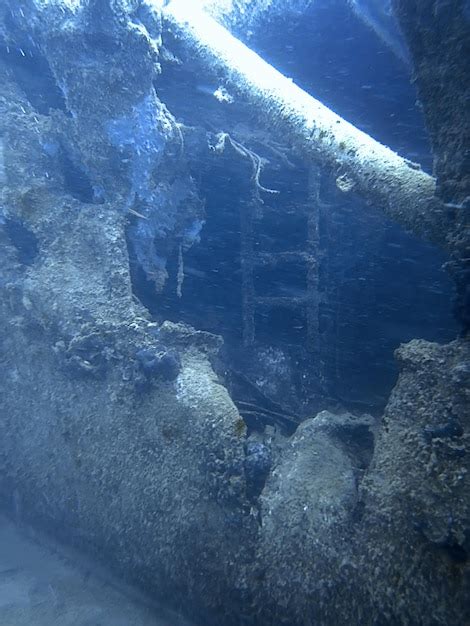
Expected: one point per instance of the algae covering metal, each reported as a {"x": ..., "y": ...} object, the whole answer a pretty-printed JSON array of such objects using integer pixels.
[
  {"x": 438, "y": 35},
  {"x": 116, "y": 433}
]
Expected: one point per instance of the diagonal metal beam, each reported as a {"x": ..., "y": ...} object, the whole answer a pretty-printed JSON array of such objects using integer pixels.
[{"x": 361, "y": 164}]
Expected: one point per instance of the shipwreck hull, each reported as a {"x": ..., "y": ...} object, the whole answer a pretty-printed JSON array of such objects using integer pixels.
[
  {"x": 149, "y": 476},
  {"x": 118, "y": 436}
]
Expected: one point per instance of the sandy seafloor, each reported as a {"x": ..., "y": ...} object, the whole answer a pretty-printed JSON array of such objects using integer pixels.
[{"x": 44, "y": 584}]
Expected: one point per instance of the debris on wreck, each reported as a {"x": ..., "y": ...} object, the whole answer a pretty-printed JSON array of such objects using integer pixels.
[{"x": 230, "y": 368}]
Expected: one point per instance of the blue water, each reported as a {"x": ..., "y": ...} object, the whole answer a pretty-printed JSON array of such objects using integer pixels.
[
  {"x": 384, "y": 285},
  {"x": 225, "y": 227}
]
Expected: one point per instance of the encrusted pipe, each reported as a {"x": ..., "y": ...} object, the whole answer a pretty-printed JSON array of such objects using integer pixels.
[{"x": 362, "y": 165}]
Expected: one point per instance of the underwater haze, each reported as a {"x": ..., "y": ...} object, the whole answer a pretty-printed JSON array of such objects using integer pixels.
[{"x": 235, "y": 304}]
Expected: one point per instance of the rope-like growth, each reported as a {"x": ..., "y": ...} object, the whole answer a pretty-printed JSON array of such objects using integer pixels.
[{"x": 257, "y": 162}]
